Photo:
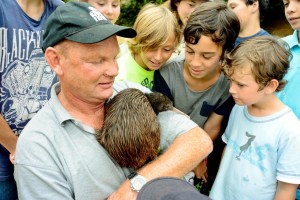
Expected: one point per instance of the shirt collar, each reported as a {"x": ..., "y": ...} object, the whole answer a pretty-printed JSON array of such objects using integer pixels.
[
  {"x": 61, "y": 113},
  {"x": 294, "y": 39}
]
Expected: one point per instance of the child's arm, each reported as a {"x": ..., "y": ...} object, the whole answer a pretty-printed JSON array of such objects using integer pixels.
[
  {"x": 213, "y": 125},
  {"x": 201, "y": 170},
  {"x": 285, "y": 191}
]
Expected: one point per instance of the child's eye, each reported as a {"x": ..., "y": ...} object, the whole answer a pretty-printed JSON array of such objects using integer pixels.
[
  {"x": 115, "y": 4},
  {"x": 207, "y": 56},
  {"x": 231, "y": 6}
]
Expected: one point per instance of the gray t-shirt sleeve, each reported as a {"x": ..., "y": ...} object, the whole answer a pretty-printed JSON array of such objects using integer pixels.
[
  {"x": 120, "y": 85},
  {"x": 172, "y": 125}
]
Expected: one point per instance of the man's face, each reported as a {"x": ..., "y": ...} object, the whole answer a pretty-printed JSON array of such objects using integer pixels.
[
  {"x": 292, "y": 13},
  {"x": 88, "y": 70}
]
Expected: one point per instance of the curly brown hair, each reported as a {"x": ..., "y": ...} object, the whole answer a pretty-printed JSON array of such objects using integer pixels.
[
  {"x": 215, "y": 20},
  {"x": 267, "y": 56}
]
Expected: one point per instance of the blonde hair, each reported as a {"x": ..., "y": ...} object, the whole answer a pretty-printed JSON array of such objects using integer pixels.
[
  {"x": 267, "y": 56},
  {"x": 154, "y": 26}
]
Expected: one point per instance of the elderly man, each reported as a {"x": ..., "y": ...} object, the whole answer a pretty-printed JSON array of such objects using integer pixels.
[{"x": 58, "y": 156}]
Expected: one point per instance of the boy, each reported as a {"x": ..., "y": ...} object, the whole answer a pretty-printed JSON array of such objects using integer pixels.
[
  {"x": 249, "y": 13},
  {"x": 157, "y": 37},
  {"x": 290, "y": 94},
  {"x": 195, "y": 84},
  {"x": 182, "y": 9},
  {"x": 263, "y": 134}
]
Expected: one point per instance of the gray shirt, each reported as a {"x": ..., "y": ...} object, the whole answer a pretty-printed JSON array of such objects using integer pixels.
[
  {"x": 197, "y": 104},
  {"x": 58, "y": 157}
]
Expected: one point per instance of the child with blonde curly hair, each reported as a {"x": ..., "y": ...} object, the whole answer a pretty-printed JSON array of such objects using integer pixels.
[{"x": 263, "y": 134}]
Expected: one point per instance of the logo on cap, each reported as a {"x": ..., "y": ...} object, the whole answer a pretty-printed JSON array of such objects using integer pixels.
[{"x": 96, "y": 15}]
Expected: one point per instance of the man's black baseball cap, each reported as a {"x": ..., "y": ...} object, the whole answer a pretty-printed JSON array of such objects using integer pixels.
[{"x": 80, "y": 22}]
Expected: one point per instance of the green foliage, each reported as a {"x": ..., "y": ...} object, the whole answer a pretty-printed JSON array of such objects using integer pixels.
[{"x": 130, "y": 9}]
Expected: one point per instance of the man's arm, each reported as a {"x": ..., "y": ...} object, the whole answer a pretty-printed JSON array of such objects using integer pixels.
[
  {"x": 7, "y": 137},
  {"x": 184, "y": 154},
  {"x": 285, "y": 191}
]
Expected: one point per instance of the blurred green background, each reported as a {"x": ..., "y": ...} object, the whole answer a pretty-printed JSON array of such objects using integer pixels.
[{"x": 273, "y": 16}]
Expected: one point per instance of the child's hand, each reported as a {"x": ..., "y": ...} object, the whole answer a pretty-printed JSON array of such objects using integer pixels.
[
  {"x": 12, "y": 157},
  {"x": 201, "y": 170}
]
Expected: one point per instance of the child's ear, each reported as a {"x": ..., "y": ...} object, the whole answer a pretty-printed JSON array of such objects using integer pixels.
[
  {"x": 272, "y": 86},
  {"x": 255, "y": 6}
]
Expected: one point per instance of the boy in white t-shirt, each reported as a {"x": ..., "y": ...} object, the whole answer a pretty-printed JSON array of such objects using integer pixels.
[{"x": 263, "y": 134}]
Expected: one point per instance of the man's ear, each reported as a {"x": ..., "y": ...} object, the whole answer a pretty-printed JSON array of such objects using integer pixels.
[
  {"x": 272, "y": 86},
  {"x": 53, "y": 58}
]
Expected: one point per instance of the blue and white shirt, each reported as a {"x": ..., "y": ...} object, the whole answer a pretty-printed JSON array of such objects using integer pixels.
[{"x": 25, "y": 76}]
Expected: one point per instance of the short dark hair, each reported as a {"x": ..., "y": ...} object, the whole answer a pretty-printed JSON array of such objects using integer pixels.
[
  {"x": 215, "y": 20},
  {"x": 263, "y": 5}
]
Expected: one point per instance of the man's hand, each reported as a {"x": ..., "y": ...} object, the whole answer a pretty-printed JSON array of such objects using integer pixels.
[
  {"x": 173, "y": 162},
  {"x": 124, "y": 192}
]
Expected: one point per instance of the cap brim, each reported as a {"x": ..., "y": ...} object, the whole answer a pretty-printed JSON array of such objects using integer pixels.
[
  {"x": 165, "y": 188},
  {"x": 101, "y": 32}
]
